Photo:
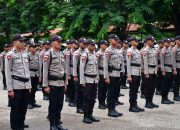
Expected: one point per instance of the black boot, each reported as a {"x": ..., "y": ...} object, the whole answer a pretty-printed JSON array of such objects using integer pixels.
[
  {"x": 36, "y": 105},
  {"x": 80, "y": 111},
  {"x": 112, "y": 113},
  {"x": 176, "y": 99},
  {"x": 30, "y": 106},
  {"x": 154, "y": 105},
  {"x": 102, "y": 106},
  {"x": 87, "y": 120},
  {"x": 60, "y": 127},
  {"x": 133, "y": 109},
  {"x": 140, "y": 109},
  {"x": 94, "y": 119},
  {"x": 149, "y": 105},
  {"x": 53, "y": 125}
]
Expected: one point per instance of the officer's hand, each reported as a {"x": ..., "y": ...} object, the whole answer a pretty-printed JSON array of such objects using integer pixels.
[
  {"x": 11, "y": 94},
  {"x": 47, "y": 90},
  {"x": 129, "y": 79},
  {"x": 164, "y": 73},
  {"x": 69, "y": 77},
  {"x": 107, "y": 81},
  {"x": 174, "y": 72},
  {"x": 147, "y": 76},
  {"x": 39, "y": 79},
  {"x": 75, "y": 78}
]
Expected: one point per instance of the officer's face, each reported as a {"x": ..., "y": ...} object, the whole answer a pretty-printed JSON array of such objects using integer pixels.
[
  {"x": 172, "y": 43},
  {"x": 91, "y": 47},
  {"x": 125, "y": 45},
  {"x": 57, "y": 44},
  {"x": 161, "y": 45},
  {"x": 6, "y": 48},
  {"x": 167, "y": 44},
  {"x": 46, "y": 46},
  {"x": 82, "y": 45},
  {"x": 150, "y": 42},
  {"x": 103, "y": 46},
  {"x": 19, "y": 44},
  {"x": 114, "y": 41},
  {"x": 134, "y": 43}
]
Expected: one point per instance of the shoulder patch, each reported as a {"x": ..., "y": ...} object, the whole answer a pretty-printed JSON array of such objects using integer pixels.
[
  {"x": 46, "y": 58},
  {"x": 9, "y": 57},
  {"x": 129, "y": 54},
  {"x": 83, "y": 58}
]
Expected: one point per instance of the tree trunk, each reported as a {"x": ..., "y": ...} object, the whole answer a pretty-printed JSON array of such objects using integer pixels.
[{"x": 176, "y": 10}]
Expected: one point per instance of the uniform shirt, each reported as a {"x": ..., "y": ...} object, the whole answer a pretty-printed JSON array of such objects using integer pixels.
[
  {"x": 88, "y": 65},
  {"x": 100, "y": 59},
  {"x": 53, "y": 64},
  {"x": 34, "y": 64},
  {"x": 113, "y": 57},
  {"x": 150, "y": 60},
  {"x": 76, "y": 61},
  {"x": 165, "y": 57},
  {"x": 175, "y": 57},
  {"x": 142, "y": 63},
  {"x": 124, "y": 53},
  {"x": 17, "y": 63},
  {"x": 133, "y": 57},
  {"x": 2, "y": 59},
  {"x": 69, "y": 61},
  {"x": 41, "y": 56}
]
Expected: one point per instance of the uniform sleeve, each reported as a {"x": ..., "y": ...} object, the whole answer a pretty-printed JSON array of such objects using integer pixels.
[
  {"x": 40, "y": 64},
  {"x": 8, "y": 73},
  {"x": 145, "y": 58},
  {"x": 128, "y": 59},
  {"x": 162, "y": 59},
  {"x": 46, "y": 61},
  {"x": 67, "y": 57},
  {"x": 173, "y": 58},
  {"x": 122, "y": 66},
  {"x": 105, "y": 64},
  {"x": 1, "y": 60},
  {"x": 75, "y": 63},
  {"x": 82, "y": 67}
]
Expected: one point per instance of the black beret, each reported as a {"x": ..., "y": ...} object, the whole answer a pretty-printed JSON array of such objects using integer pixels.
[
  {"x": 82, "y": 40},
  {"x": 103, "y": 42},
  {"x": 177, "y": 37},
  {"x": 46, "y": 43},
  {"x": 6, "y": 45},
  {"x": 167, "y": 40},
  {"x": 132, "y": 39},
  {"x": 91, "y": 42},
  {"x": 149, "y": 38},
  {"x": 125, "y": 42},
  {"x": 18, "y": 37},
  {"x": 113, "y": 36},
  {"x": 56, "y": 38}
]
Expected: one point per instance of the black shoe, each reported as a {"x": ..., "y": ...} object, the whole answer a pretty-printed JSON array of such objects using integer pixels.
[
  {"x": 30, "y": 106},
  {"x": 112, "y": 113},
  {"x": 87, "y": 120},
  {"x": 60, "y": 127},
  {"x": 47, "y": 117},
  {"x": 26, "y": 126},
  {"x": 171, "y": 102},
  {"x": 80, "y": 111},
  {"x": 72, "y": 104},
  {"x": 4, "y": 88},
  {"x": 134, "y": 109},
  {"x": 45, "y": 98},
  {"x": 140, "y": 109},
  {"x": 36, "y": 105},
  {"x": 53, "y": 127},
  {"x": 176, "y": 99},
  {"x": 164, "y": 101},
  {"x": 149, "y": 105},
  {"x": 94, "y": 119},
  {"x": 171, "y": 90},
  {"x": 102, "y": 106},
  {"x": 121, "y": 95},
  {"x": 154, "y": 105},
  {"x": 158, "y": 92},
  {"x": 119, "y": 114},
  {"x": 142, "y": 96},
  {"x": 124, "y": 87}
]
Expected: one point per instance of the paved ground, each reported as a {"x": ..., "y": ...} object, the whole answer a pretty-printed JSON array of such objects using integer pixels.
[{"x": 167, "y": 117}]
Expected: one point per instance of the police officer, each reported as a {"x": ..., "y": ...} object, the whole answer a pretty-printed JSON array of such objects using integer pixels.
[
  {"x": 159, "y": 73},
  {"x": 113, "y": 65},
  {"x": 143, "y": 83},
  {"x": 2, "y": 61},
  {"x": 176, "y": 67},
  {"x": 88, "y": 80},
  {"x": 46, "y": 46},
  {"x": 133, "y": 71},
  {"x": 150, "y": 71},
  {"x": 54, "y": 81},
  {"x": 102, "y": 88},
  {"x": 166, "y": 68},
  {"x": 69, "y": 67},
  {"x": 66, "y": 54},
  {"x": 18, "y": 83},
  {"x": 76, "y": 63},
  {"x": 124, "y": 53},
  {"x": 34, "y": 73}
]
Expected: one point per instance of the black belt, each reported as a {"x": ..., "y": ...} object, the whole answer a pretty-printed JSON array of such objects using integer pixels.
[
  {"x": 55, "y": 78},
  {"x": 20, "y": 78},
  {"x": 91, "y": 76},
  {"x": 178, "y": 61},
  {"x": 100, "y": 68},
  {"x": 111, "y": 68},
  {"x": 159, "y": 62},
  {"x": 167, "y": 65},
  {"x": 71, "y": 65},
  {"x": 134, "y": 64},
  {"x": 152, "y": 66},
  {"x": 124, "y": 61},
  {"x": 33, "y": 70}
]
